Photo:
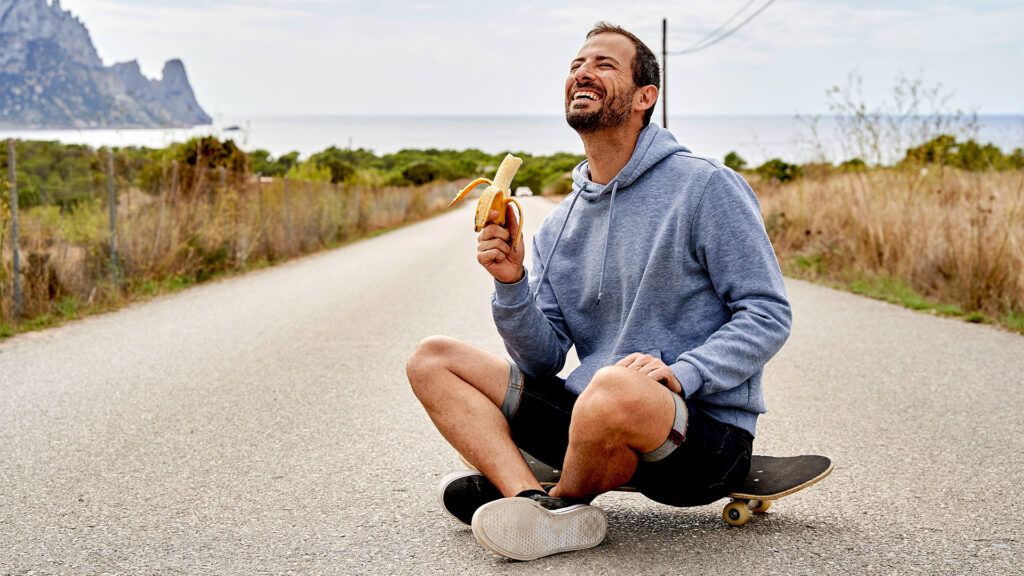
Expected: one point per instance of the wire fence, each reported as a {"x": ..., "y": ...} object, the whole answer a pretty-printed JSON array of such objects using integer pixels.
[{"x": 81, "y": 227}]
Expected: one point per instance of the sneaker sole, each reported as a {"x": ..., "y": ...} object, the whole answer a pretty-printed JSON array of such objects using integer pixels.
[
  {"x": 445, "y": 481},
  {"x": 522, "y": 529}
]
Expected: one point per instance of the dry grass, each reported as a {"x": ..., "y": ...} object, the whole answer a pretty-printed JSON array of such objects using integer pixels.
[
  {"x": 192, "y": 228},
  {"x": 938, "y": 238}
]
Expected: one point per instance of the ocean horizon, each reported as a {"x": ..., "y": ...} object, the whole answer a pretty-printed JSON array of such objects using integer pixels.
[{"x": 755, "y": 138}]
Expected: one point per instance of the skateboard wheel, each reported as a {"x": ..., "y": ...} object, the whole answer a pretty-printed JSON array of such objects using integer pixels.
[
  {"x": 760, "y": 507},
  {"x": 736, "y": 513}
]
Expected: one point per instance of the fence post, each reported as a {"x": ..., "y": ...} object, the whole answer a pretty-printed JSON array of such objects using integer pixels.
[
  {"x": 288, "y": 214},
  {"x": 112, "y": 212},
  {"x": 12, "y": 166}
]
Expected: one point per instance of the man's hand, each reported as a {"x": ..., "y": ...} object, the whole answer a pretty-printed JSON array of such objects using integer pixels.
[
  {"x": 494, "y": 252},
  {"x": 653, "y": 368}
]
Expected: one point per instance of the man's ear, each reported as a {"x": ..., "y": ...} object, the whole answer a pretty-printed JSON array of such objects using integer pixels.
[{"x": 645, "y": 97}]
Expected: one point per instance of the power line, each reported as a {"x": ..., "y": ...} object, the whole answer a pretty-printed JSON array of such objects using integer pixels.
[
  {"x": 711, "y": 34},
  {"x": 709, "y": 43}
]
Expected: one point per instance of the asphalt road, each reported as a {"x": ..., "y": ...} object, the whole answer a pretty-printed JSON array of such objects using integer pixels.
[{"x": 263, "y": 425}]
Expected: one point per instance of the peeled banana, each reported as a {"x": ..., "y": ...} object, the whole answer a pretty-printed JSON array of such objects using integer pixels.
[{"x": 493, "y": 197}]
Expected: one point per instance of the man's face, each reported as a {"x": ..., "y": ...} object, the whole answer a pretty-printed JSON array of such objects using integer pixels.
[{"x": 599, "y": 89}]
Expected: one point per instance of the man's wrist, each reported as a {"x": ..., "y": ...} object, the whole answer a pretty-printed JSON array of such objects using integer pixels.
[
  {"x": 512, "y": 293},
  {"x": 519, "y": 278}
]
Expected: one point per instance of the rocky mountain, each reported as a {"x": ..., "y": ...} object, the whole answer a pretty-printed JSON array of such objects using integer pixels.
[{"x": 52, "y": 77}]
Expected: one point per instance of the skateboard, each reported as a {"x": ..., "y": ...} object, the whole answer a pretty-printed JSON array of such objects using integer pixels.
[{"x": 770, "y": 478}]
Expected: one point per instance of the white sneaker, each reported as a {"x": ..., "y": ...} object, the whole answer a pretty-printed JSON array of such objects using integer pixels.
[{"x": 537, "y": 526}]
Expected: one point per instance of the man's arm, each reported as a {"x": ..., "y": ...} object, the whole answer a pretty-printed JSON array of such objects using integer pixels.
[
  {"x": 730, "y": 242},
  {"x": 532, "y": 327}
]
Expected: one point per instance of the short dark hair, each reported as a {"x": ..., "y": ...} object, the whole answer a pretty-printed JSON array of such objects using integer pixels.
[{"x": 646, "y": 71}]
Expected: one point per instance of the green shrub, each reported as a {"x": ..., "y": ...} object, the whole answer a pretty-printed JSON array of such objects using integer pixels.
[
  {"x": 261, "y": 162},
  {"x": 970, "y": 155},
  {"x": 778, "y": 170},
  {"x": 420, "y": 173},
  {"x": 735, "y": 161},
  {"x": 853, "y": 165},
  {"x": 337, "y": 161}
]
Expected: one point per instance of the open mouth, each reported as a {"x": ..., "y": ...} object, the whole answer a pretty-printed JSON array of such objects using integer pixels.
[{"x": 585, "y": 95}]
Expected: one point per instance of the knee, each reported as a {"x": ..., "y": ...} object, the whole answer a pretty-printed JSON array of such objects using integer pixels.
[
  {"x": 609, "y": 402},
  {"x": 430, "y": 357}
]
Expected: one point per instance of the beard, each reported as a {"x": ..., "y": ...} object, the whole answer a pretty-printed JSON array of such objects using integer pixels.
[{"x": 611, "y": 114}]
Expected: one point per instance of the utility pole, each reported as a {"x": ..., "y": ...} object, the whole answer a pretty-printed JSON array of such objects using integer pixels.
[{"x": 664, "y": 72}]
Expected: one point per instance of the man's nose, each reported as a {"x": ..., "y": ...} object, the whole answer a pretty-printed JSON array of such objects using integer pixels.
[{"x": 582, "y": 74}]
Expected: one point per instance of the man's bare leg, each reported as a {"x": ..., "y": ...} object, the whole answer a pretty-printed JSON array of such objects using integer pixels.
[
  {"x": 620, "y": 415},
  {"x": 462, "y": 388}
]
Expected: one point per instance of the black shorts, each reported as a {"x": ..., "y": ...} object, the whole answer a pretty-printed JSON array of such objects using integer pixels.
[{"x": 711, "y": 459}]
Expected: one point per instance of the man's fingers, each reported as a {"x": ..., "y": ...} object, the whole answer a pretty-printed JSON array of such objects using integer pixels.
[
  {"x": 492, "y": 231},
  {"x": 512, "y": 220},
  {"x": 664, "y": 375},
  {"x": 628, "y": 359},
  {"x": 640, "y": 361},
  {"x": 490, "y": 257},
  {"x": 494, "y": 244}
]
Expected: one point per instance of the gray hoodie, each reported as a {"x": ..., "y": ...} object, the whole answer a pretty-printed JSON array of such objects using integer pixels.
[{"x": 670, "y": 259}]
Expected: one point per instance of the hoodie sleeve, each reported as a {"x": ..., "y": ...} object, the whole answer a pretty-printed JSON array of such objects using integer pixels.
[
  {"x": 532, "y": 327},
  {"x": 729, "y": 241}
]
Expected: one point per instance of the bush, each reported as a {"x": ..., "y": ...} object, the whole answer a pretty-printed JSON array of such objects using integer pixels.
[
  {"x": 853, "y": 165},
  {"x": 778, "y": 170},
  {"x": 542, "y": 174},
  {"x": 420, "y": 173},
  {"x": 560, "y": 186},
  {"x": 337, "y": 162},
  {"x": 735, "y": 161},
  {"x": 309, "y": 171},
  {"x": 261, "y": 162},
  {"x": 209, "y": 152},
  {"x": 945, "y": 150}
]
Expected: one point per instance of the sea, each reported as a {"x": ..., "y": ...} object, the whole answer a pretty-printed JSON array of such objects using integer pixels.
[{"x": 754, "y": 138}]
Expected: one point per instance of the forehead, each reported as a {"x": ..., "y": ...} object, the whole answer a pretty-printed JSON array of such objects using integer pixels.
[{"x": 608, "y": 45}]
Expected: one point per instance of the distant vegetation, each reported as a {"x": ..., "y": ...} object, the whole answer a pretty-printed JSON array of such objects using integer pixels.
[
  {"x": 64, "y": 174},
  {"x": 920, "y": 214},
  {"x": 202, "y": 208},
  {"x": 542, "y": 174},
  {"x": 940, "y": 229}
]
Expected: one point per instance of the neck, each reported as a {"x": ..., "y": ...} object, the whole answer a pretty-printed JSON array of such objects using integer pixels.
[{"x": 609, "y": 150}]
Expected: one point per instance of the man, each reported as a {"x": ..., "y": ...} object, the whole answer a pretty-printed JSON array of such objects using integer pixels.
[{"x": 658, "y": 269}]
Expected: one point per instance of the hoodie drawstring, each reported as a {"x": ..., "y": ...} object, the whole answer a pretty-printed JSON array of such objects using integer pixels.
[
  {"x": 607, "y": 240},
  {"x": 547, "y": 261}
]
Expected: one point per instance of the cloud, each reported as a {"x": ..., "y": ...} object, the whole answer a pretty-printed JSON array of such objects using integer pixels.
[{"x": 465, "y": 56}]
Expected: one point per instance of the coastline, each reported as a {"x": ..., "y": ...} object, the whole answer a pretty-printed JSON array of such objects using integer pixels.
[{"x": 755, "y": 137}]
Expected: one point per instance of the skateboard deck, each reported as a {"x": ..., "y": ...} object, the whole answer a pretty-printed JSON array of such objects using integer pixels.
[{"x": 770, "y": 478}]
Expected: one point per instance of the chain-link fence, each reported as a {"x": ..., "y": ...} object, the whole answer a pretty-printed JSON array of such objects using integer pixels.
[{"x": 80, "y": 227}]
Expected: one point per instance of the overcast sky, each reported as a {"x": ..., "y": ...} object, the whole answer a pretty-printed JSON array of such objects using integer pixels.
[{"x": 475, "y": 57}]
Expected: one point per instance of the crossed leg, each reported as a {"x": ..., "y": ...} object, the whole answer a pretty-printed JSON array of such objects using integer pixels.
[{"x": 620, "y": 415}]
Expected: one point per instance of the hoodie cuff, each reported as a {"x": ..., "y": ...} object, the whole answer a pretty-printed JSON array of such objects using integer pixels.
[
  {"x": 512, "y": 294},
  {"x": 689, "y": 377}
]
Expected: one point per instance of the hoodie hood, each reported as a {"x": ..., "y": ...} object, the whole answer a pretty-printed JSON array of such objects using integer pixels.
[{"x": 654, "y": 145}]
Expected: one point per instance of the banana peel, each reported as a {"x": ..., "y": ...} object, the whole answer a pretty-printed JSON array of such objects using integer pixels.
[{"x": 494, "y": 197}]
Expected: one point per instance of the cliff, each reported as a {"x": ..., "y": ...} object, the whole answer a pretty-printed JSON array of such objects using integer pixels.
[{"x": 52, "y": 77}]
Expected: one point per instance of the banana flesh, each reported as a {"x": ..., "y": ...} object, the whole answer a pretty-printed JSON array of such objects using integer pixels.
[{"x": 493, "y": 197}]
